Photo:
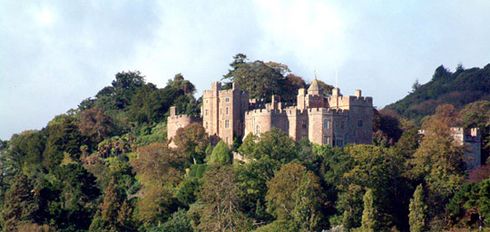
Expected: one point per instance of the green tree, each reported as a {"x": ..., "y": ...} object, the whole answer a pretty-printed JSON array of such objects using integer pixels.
[
  {"x": 417, "y": 216},
  {"x": 21, "y": 204},
  {"x": 178, "y": 222},
  {"x": 294, "y": 194},
  {"x": 277, "y": 145},
  {"x": 220, "y": 202},
  {"x": 221, "y": 154},
  {"x": 369, "y": 213}
]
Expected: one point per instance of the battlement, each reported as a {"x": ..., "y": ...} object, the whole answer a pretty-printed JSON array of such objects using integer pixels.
[{"x": 327, "y": 110}]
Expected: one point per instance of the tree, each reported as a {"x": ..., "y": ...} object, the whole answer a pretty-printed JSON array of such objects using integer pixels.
[
  {"x": 417, "y": 216},
  {"x": 95, "y": 124},
  {"x": 369, "y": 214},
  {"x": 294, "y": 194},
  {"x": 159, "y": 169},
  {"x": 192, "y": 141},
  {"x": 21, "y": 204},
  {"x": 221, "y": 155},
  {"x": 113, "y": 211},
  {"x": 277, "y": 145},
  {"x": 439, "y": 159},
  {"x": 220, "y": 202},
  {"x": 178, "y": 222}
]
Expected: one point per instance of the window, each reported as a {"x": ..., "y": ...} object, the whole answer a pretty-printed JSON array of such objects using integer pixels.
[
  {"x": 227, "y": 99},
  {"x": 359, "y": 123},
  {"x": 303, "y": 124},
  {"x": 226, "y": 110},
  {"x": 227, "y": 123},
  {"x": 257, "y": 130},
  {"x": 339, "y": 142},
  {"x": 342, "y": 125},
  {"x": 326, "y": 140},
  {"x": 326, "y": 123},
  {"x": 206, "y": 112}
]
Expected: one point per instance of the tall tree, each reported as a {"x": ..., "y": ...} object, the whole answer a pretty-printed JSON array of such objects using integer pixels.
[
  {"x": 220, "y": 202},
  {"x": 192, "y": 141},
  {"x": 294, "y": 194},
  {"x": 417, "y": 216},
  {"x": 369, "y": 214},
  {"x": 21, "y": 204}
]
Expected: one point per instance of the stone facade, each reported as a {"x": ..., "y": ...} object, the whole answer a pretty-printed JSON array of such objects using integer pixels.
[
  {"x": 471, "y": 140},
  {"x": 174, "y": 122},
  {"x": 335, "y": 120}
]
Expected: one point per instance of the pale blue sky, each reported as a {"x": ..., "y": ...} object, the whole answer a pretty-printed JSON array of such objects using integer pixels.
[{"x": 54, "y": 54}]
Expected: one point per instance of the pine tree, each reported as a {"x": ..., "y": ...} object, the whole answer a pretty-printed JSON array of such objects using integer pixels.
[
  {"x": 418, "y": 209},
  {"x": 369, "y": 214}
]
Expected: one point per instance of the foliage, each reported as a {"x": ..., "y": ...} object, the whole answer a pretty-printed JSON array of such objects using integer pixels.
[
  {"x": 192, "y": 141},
  {"x": 221, "y": 154},
  {"x": 294, "y": 194},
  {"x": 459, "y": 88},
  {"x": 369, "y": 221},
  {"x": 417, "y": 215}
]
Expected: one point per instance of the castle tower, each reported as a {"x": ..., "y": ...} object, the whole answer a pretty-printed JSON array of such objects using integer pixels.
[{"x": 223, "y": 112}]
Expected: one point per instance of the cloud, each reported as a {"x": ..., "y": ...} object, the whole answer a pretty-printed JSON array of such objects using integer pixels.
[{"x": 53, "y": 54}]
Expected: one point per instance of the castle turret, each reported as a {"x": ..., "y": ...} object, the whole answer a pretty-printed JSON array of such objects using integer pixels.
[{"x": 314, "y": 88}]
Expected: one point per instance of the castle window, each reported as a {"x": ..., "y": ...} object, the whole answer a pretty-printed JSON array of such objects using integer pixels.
[
  {"x": 227, "y": 99},
  {"x": 206, "y": 126},
  {"x": 303, "y": 124},
  {"x": 326, "y": 140},
  {"x": 226, "y": 110},
  {"x": 339, "y": 142},
  {"x": 359, "y": 123},
  {"x": 326, "y": 123},
  {"x": 227, "y": 123},
  {"x": 342, "y": 124},
  {"x": 257, "y": 130},
  {"x": 206, "y": 112}
]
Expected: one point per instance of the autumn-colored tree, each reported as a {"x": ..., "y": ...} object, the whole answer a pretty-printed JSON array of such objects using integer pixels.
[
  {"x": 95, "y": 124},
  {"x": 192, "y": 141},
  {"x": 159, "y": 170},
  {"x": 114, "y": 212},
  {"x": 439, "y": 159},
  {"x": 417, "y": 216}
]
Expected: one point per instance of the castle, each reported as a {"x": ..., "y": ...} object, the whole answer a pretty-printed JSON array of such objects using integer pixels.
[{"x": 333, "y": 119}]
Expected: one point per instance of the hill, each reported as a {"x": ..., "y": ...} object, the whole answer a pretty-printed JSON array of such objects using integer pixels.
[{"x": 457, "y": 88}]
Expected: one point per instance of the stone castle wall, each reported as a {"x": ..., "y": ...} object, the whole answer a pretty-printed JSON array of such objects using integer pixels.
[{"x": 335, "y": 120}]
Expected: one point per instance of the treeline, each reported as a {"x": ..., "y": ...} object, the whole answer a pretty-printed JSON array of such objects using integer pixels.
[
  {"x": 107, "y": 166},
  {"x": 457, "y": 88}
]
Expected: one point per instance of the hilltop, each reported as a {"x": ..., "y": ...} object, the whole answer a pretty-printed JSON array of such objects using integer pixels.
[{"x": 458, "y": 88}]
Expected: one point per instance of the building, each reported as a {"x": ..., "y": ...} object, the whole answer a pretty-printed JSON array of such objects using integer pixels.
[
  {"x": 470, "y": 139},
  {"x": 335, "y": 119}
]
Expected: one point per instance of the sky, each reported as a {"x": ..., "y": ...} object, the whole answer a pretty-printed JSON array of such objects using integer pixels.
[{"x": 54, "y": 54}]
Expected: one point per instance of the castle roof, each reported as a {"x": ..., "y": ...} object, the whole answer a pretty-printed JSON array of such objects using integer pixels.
[{"x": 314, "y": 87}]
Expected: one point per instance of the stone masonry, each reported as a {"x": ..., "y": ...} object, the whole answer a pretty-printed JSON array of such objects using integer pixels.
[{"x": 334, "y": 120}]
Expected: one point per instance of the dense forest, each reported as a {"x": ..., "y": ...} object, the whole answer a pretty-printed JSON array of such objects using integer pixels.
[
  {"x": 458, "y": 88},
  {"x": 106, "y": 165}
]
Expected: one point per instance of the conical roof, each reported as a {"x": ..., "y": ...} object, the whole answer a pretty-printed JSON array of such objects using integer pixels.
[{"x": 314, "y": 87}]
